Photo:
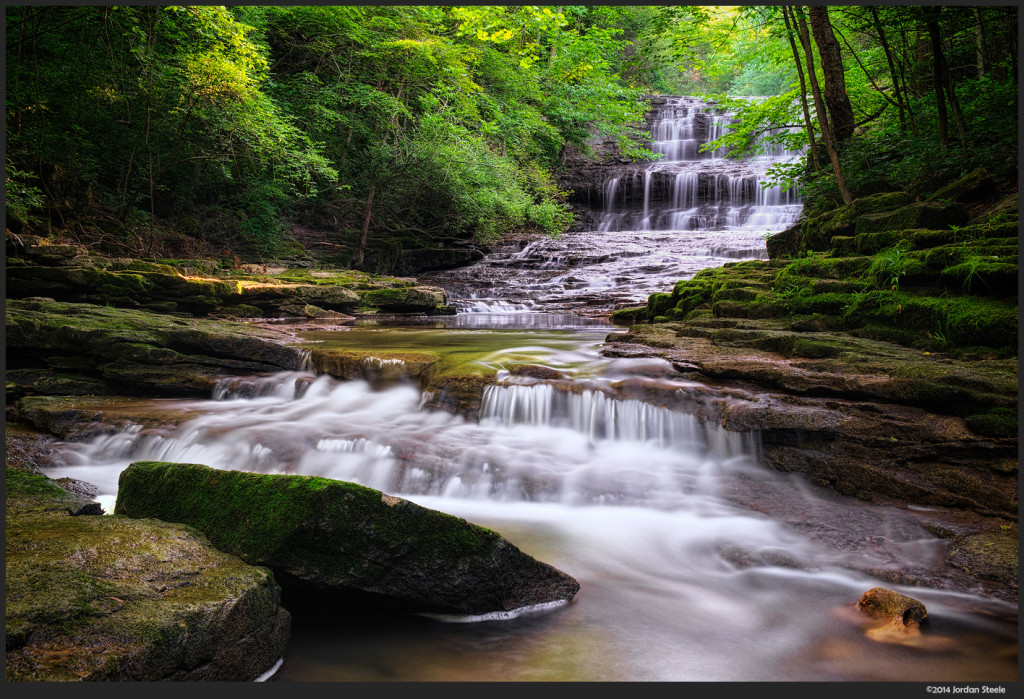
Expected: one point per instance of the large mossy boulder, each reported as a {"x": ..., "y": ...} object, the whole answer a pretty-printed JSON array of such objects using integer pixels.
[
  {"x": 345, "y": 544},
  {"x": 112, "y": 598},
  {"x": 816, "y": 232}
]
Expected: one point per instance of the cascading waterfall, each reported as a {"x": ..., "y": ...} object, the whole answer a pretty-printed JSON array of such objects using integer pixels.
[
  {"x": 602, "y": 417},
  {"x": 650, "y": 224},
  {"x": 661, "y": 516},
  {"x": 694, "y": 188}
]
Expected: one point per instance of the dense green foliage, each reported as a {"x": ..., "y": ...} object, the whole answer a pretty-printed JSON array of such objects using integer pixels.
[
  {"x": 888, "y": 72},
  {"x": 178, "y": 130}
]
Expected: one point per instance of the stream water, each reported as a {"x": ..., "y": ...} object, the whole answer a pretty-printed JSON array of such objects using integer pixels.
[{"x": 662, "y": 519}]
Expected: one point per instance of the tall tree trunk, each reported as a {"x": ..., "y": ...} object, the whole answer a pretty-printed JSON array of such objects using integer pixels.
[
  {"x": 937, "y": 80},
  {"x": 1011, "y": 30},
  {"x": 954, "y": 103},
  {"x": 803, "y": 90},
  {"x": 900, "y": 60},
  {"x": 944, "y": 82},
  {"x": 819, "y": 107},
  {"x": 979, "y": 43},
  {"x": 366, "y": 224},
  {"x": 838, "y": 102},
  {"x": 892, "y": 66}
]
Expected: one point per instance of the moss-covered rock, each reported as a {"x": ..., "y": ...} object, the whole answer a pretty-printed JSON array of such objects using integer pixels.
[
  {"x": 973, "y": 186},
  {"x": 116, "y": 350},
  {"x": 932, "y": 215},
  {"x": 111, "y": 598},
  {"x": 371, "y": 365},
  {"x": 188, "y": 287},
  {"x": 413, "y": 299},
  {"x": 817, "y": 232},
  {"x": 356, "y": 543}
]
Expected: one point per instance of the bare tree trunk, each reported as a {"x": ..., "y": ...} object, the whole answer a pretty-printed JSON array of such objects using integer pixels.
[
  {"x": 819, "y": 107},
  {"x": 954, "y": 103},
  {"x": 366, "y": 224},
  {"x": 903, "y": 76},
  {"x": 944, "y": 82},
  {"x": 1011, "y": 30},
  {"x": 892, "y": 66},
  {"x": 803, "y": 91},
  {"x": 979, "y": 43},
  {"x": 832, "y": 70}
]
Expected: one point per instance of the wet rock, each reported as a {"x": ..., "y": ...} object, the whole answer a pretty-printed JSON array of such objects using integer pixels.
[
  {"x": 411, "y": 299},
  {"x": 895, "y": 618},
  {"x": 343, "y": 543},
  {"x": 536, "y": 371},
  {"x": 26, "y": 449},
  {"x": 989, "y": 555},
  {"x": 423, "y": 260},
  {"x": 109, "y": 598},
  {"x": 892, "y": 607},
  {"x": 76, "y": 418},
  {"x": 456, "y": 393},
  {"x": 371, "y": 365}
]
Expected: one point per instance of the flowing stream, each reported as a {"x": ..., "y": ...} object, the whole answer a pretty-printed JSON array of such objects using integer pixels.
[{"x": 695, "y": 563}]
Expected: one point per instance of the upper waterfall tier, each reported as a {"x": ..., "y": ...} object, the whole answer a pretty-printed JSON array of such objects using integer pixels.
[{"x": 692, "y": 186}]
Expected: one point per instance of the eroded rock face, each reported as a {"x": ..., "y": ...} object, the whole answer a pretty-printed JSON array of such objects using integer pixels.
[
  {"x": 344, "y": 544},
  {"x": 111, "y": 598},
  {"x": 850, "y": 423}
]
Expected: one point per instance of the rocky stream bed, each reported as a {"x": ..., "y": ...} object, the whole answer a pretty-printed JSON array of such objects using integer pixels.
[{"x": 873, "y": 350}]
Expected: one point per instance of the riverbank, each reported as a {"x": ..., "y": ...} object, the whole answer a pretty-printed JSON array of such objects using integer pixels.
[{"x": 876, "y": 353}]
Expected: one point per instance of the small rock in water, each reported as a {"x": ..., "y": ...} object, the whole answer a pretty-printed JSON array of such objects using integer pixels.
[
  {"x": 895, "y": 618},
  {"x": 892, "y": 607}
]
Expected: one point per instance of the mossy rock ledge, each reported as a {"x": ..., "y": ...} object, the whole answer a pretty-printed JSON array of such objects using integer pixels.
[
  {"x": 58, "y": 348},
  {"x": 112, "y": 598},
  {"x": 345, "y": 546}
]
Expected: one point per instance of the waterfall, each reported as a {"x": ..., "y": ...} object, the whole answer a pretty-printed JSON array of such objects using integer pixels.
[
  {"x": 603, "y": 418},
  {"x": 692, "y": 188}
]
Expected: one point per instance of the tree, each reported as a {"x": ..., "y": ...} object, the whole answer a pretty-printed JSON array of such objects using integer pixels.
[
  {"x": 836, "y": 99},
  {"x": 819, "y": 107}
]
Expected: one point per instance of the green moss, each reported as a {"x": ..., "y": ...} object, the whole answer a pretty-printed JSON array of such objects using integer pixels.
[
  {"x": 971, "y": 186},
  {"x": 22, "y": 485},
  {"x": 933, "y": 215},
  {"x": 379, "y": 298},
  {"x": 981, "y": 274},
  {"x": 629, "y": 316},
  {"x": 254, "y": 516},
  {"x": 815, "y": 349},
  {"x": 657, "y": 304},
  {"x": 998, "y": 422}
]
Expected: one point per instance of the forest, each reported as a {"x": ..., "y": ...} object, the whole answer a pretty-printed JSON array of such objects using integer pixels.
[{"x": 219, "y": 131}]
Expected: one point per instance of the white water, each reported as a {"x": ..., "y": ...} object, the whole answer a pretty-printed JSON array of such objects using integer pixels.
[
  {"x": 654, "y": 224},
  {"x": 660, "y": 517},
  {"x": 651, "y": 510}
]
